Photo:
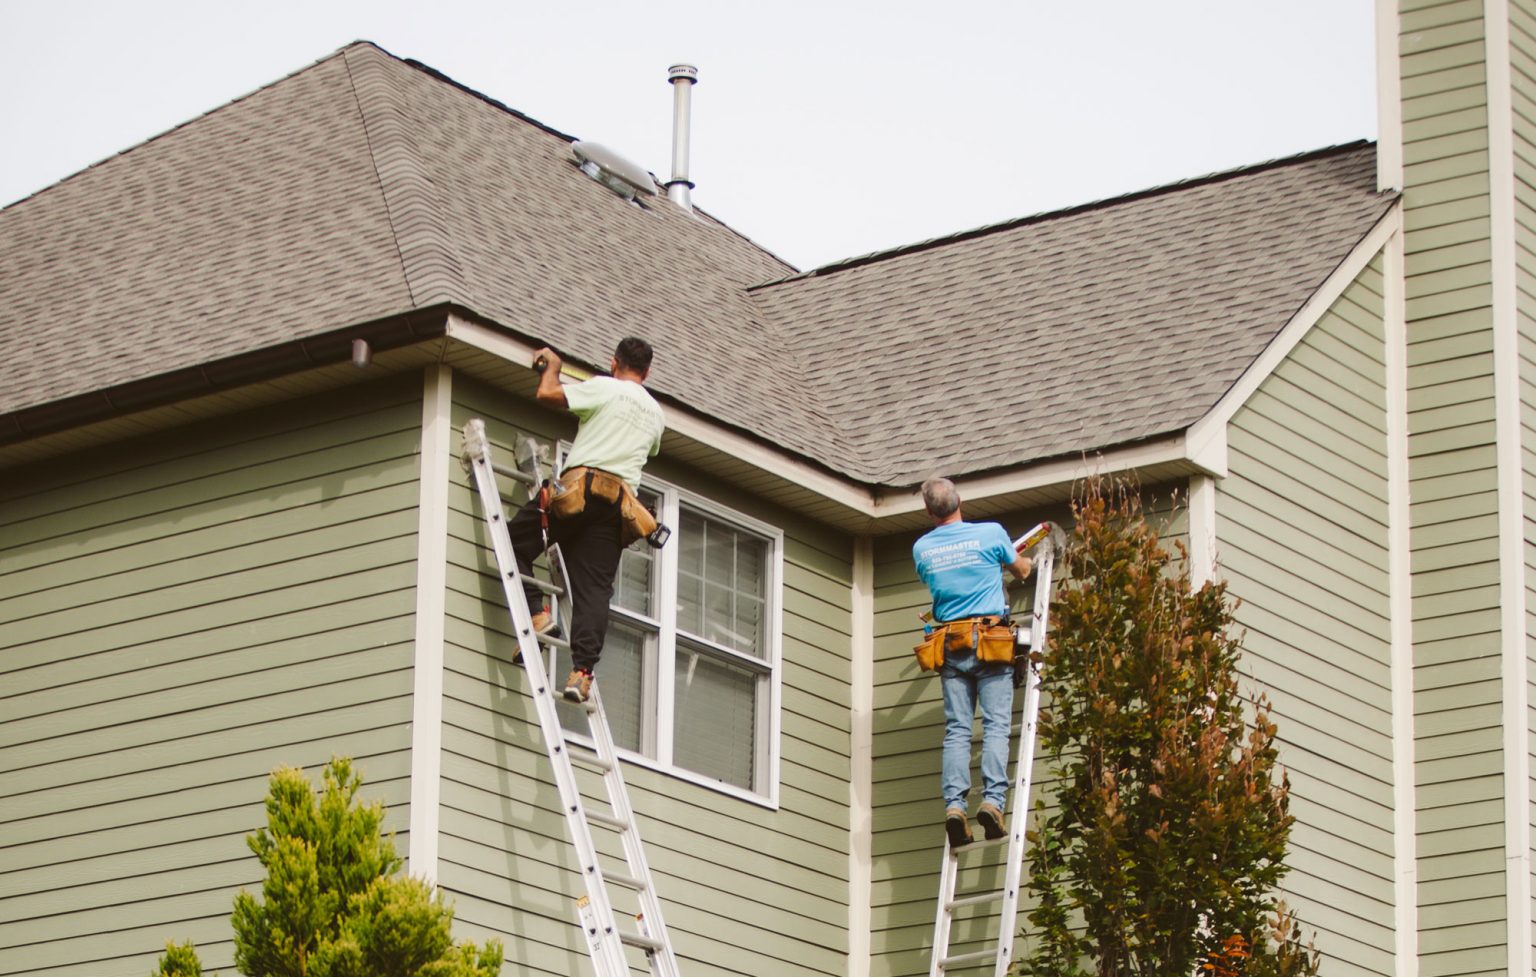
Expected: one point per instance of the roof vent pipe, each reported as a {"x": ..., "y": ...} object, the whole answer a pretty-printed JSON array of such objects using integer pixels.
[{"x": 682, "y": 78}]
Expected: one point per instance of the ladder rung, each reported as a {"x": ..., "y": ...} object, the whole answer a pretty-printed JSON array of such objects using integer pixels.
[
  {"x": 552, "y": 640},
  {"x": 964, "y": 901},
  {"x": 547, "y": 586},
  {"x": 516, "y": 474},
  {"x": 628, "y": 881},
  {"x": 964, "y": 959},
  {"x": 978, "y": 845},
  {"x": 644, "y": 942},
  {"x": 580, "y": 755},
  {"x": 608, "y": 821}
]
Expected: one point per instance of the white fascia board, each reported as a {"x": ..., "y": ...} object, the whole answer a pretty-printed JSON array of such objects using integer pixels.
[
  {"x": 1389, "y": 98},
  {"x": 870, "y": 502},
  {"x": 1514, "y": 670},
  {"x": 1206, "y": 438},
  {"x": 730, "y": 442}
]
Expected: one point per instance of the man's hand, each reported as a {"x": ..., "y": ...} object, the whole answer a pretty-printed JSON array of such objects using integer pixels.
[
  {"x": 1022, "y": 567},
  {"x": 549, "y": 391}
]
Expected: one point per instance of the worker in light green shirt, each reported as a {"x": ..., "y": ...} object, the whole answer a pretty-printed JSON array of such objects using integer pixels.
[{"x": 596, "y": 513}]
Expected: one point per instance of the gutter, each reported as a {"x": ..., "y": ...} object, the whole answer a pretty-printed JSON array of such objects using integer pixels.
[{"x": 267, "y": 363}]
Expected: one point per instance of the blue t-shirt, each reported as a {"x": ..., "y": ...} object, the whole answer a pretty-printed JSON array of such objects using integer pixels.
[{"x": 962, "y": 564}]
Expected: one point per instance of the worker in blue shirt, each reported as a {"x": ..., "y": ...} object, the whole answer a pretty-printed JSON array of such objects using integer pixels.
[{"x": 962, "y": 563}]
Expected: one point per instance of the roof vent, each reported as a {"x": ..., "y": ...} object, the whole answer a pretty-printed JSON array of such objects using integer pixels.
[{"x": 613, "y": 171}]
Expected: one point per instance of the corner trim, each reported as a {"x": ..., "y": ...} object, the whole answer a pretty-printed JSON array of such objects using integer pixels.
[
  {"x": 1514, "y": 668},
  {"x": 1202, "y": 530},
  {"x": 1405, "y": 857},
  {"x": 431, "y": 586},
  {"x": 861, "y": 800},
  {"x": 1203, "y": 435},
  {"x": 1389, "y": 99}
]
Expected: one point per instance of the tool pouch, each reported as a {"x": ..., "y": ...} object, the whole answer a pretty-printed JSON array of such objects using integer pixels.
[
  {"x": 571, "y": 499},
  {"x": 638, "y": 522},
  {"x": 930, "y": 654},
  {"x": 960, "y": 636},
  {"x": 995, "y": 643}
]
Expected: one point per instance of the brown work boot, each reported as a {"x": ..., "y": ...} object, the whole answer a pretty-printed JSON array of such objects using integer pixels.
[
  {"x": 957, "y": 827},
  {"x": 578, "y": 685},
  {"x": 990, "y": 817},
  {"x": 543, "y": 623}
]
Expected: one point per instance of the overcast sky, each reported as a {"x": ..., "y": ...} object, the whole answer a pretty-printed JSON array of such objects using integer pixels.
[{"x": 822, "y": 129}]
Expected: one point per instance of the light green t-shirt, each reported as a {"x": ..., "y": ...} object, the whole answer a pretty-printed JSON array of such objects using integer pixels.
[{"x": 620, "y": 428}]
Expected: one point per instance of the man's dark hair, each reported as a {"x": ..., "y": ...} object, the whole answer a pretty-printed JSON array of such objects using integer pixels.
[{"x": 634, "y": 353}]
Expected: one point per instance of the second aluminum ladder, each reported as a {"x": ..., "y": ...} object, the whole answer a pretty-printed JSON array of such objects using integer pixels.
[{"x": 1031, "y": 643}]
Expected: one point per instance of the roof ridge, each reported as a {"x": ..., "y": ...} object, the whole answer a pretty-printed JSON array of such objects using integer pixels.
[
  {"x": 433, "y": 271},
  {"x": 1206, "y": 179}
]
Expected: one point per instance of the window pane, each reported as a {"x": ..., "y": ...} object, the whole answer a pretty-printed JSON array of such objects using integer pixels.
[
  {"x": 632, "y": 587},
  {"x": 716, "y": 717},
  {"x": 722, "y": 584},
  {"x": 621, "y": 676}
]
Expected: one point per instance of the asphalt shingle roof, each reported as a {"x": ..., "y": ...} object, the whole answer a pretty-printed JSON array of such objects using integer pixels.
[
  {"x": 364, "y": 187},
  {"x": 1099, "y": 326}
]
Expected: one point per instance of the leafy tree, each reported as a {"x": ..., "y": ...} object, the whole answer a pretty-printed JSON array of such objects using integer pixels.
[
  {"x": 332, "y": 904},
  {"x": 1172, "y": 821},
  {"x": 179, "y": 960}
]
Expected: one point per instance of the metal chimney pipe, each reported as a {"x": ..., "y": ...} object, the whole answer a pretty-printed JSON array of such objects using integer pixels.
[{"x": 682, "y": 78}]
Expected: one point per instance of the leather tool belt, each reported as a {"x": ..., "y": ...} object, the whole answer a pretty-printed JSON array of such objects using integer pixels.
[
  {"x": 992, "y": 638},
  {"x": 579, "y": 484}
]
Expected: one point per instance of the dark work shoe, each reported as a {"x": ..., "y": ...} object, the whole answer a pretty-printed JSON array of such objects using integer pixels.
[
  {"x": 990, "y": 817},
  {"x": 957, "y": 827},
  {"x": 578, "y": 685}
]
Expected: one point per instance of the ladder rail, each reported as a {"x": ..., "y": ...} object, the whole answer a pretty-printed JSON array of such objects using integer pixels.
[
  {"x": 606, "y": 941},
  {"x": 1033, "y": 643}
]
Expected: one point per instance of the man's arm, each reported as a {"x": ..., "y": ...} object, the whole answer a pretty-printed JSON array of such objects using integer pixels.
[
  {"x": 550, "y": 390},
  {"x": 1021, "y": 567}
]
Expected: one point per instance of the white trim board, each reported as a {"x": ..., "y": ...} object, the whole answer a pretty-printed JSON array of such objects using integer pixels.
[
  {"x": 1202, "y": 530},
  {"x": 861, "y": 759},
  {"x": 1389, "y": 99},
  {"x": 431, "y": 590},
  {"x": 1514, "y": 667},
  {"x": 1400, "y": 604},
  {"x": 1205, "y": 439}
]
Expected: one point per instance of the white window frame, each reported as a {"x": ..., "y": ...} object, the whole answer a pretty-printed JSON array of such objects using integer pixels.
[{"x": 658, "y": 705}]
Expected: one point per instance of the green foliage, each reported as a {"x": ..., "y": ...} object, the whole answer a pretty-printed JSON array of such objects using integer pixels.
[
  {"x": 332, "y": 904},
  {"x": 179, "y": 960},
  {"x": 1172, "y": 820}
]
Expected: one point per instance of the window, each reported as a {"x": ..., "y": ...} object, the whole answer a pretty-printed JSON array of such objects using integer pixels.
[{"x": 689, "y": 671}]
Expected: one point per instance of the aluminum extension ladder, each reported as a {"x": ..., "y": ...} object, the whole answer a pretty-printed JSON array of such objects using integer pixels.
[
  {"x": 1031, "y": 643},
  {"x": 605, "y": 939}
]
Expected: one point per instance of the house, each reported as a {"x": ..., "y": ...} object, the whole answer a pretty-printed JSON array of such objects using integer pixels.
[{"x": 225, "y": 547}]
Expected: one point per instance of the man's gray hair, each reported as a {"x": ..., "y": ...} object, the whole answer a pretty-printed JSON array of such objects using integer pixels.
[{"x": 940, "y": 497}]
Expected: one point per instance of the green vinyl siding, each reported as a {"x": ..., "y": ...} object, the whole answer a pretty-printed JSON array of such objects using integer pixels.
[
  {"x": 1523, "y": 73},
  {"x": 1302, "y": 541},
  {"x": 746, "y": 888},
  {"x": 178, "y": 616},
  {"x": 1453, "y": 490}
]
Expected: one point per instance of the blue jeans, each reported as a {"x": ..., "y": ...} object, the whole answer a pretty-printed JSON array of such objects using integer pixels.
[{"x": 966, "y": 682}]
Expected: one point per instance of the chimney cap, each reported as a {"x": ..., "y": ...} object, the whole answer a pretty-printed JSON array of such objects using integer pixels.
[{"x": 683, "y": 72}]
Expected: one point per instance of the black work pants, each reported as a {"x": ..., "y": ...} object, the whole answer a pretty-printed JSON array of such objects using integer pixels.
[{"x": 590, "y": 543}]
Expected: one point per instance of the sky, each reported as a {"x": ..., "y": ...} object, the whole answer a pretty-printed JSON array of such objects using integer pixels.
[{"x": 821, "y": 130}]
